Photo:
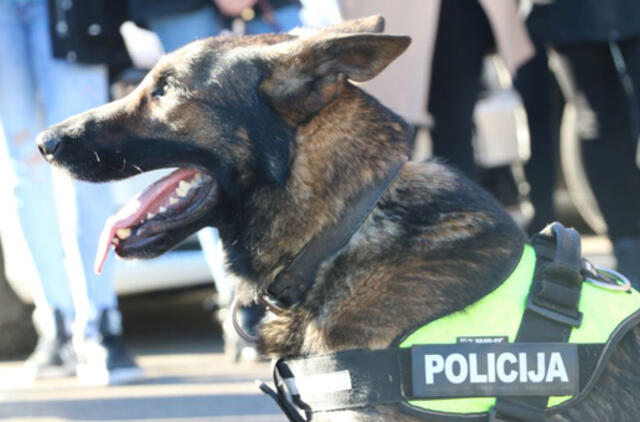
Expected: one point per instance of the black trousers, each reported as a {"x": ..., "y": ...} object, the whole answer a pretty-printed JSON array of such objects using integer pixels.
[
  {"x": 608, "y": 132},
  {"x": 464, "y": 37},
  {"x": 542, "y": 102}
]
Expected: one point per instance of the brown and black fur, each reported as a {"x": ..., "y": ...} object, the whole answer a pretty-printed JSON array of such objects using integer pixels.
[{"x": 290, "y": 140}]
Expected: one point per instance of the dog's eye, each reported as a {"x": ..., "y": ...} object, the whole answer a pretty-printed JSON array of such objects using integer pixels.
[{"x": 161, "y": 90}]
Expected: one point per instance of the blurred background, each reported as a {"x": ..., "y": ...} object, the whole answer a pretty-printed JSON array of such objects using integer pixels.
[{"x": 535, "y": 100}]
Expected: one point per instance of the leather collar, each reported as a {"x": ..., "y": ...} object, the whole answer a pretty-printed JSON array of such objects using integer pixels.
[{"x": 291, "y": 285}]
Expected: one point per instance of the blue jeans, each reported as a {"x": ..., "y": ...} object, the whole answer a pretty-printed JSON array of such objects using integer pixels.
[
  {"x": 58, "y": 219},
  {"x": 178, "y": 29}
]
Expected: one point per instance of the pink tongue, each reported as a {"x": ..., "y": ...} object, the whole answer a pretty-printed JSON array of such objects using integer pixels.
[{"x": 136, "y": 209}]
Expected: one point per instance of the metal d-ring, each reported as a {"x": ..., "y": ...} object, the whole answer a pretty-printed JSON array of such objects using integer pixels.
[
  {"x": 235, "y": 306},
  {"x": 625, "y": 286}
]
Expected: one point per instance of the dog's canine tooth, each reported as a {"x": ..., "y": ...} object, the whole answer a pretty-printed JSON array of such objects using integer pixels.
[
  {"x": 123, "y": 233},
  {"x": 173, "y": 200},
  {"x": 162, "y": 209},
  {"x": 183, "y": 188},
  {"x": 115, "y": 240}
]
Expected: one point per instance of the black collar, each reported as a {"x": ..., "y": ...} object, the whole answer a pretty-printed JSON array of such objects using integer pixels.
[{"x": 291, "y": 285}]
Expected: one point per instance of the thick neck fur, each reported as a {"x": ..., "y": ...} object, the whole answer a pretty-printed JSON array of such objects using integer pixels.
[
  {"x": 346, "y": 147},
  {"x": 434, "y": 243}
]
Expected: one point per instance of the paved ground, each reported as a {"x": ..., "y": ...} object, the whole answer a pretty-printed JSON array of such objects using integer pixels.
[{"x": 188, "y": 378}]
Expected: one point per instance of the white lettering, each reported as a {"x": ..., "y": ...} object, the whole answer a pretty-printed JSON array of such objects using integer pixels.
[
  {"x": 491, "y": 367},
  {"x": 538, "y": 376},
  {"x": 522, "y": 366},
  {"x": 500, "y": 367},
  {"x": 448, "y": 368},
  {"x": 505, "y": 367},
  {"x": 474, "y": 376},
  {"x": 433, "y": 364},
  {"x": 556, "y": 368}
]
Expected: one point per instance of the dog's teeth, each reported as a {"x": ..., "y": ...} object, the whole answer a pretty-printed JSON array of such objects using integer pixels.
[
  {"x": 173, "y": 200},
  {"x": 183, "y": 188},
  {"x": 123, "y": 233},
  {"x": 150, "y": 215},
  {"x": 115, "y": 240},
  {"x": 162, "y": 209}
]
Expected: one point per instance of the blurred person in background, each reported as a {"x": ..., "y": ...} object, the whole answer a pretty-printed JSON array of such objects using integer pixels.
[
  {"x": 178, "y": 22},
  {"x": 445, "y": 59},
  {"x": 599, "y": 44},
  {"x": 54, "y": 57}
]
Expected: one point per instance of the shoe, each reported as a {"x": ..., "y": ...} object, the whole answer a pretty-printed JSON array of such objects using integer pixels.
[
  {"x": 103, "y": 358},
  {"x": 237, "y": 349},
  {"x": 627, "y": 253},
  {"x": 53, "y": 356}
]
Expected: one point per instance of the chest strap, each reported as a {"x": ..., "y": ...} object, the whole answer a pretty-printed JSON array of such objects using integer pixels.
[
  {"x": 291, "y": 285},
  {"x": 551, "y": 312}
]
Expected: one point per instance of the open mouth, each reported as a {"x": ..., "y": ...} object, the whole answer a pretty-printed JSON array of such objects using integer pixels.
[{"x": 172, "y": 202}]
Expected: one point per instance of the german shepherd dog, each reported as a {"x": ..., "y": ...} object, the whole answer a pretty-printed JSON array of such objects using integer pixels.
[{"x": 271, "y": 141}]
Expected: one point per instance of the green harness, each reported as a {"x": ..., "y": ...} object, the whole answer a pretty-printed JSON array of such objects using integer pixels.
[
  {"x": 499, "y": 314},
  {"x": 530, "y": 348}
]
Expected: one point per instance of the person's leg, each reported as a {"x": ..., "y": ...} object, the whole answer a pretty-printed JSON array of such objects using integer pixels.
[
  {"x": 29, "y": 216},
  {"x": 608, "y": 146},
  {"x": 214, "y": 255},
  {"x": 627, "y": 248},
  {"x": 178, "y": 29},
  {"x": 463, "y": 38},
  {"x": 66, "y": 89},
  {"x": 605, "y": 130},
  {"x": 27, "y": 177},
  {"x": 534, "y": 83},
  {"x": 285, "y": 19}
]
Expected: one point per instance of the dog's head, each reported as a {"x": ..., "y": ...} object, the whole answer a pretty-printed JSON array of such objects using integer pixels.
[{"x": 224, "y": 111}]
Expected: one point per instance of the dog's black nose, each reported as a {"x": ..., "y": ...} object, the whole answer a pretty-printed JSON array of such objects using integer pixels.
[{"x": 48, "y": 144}]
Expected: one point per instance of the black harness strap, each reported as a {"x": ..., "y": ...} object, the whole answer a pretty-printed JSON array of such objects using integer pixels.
[
  {"x": 551, "y": 313},
  {"x": 355, "y": 379},
  {"x": 292, "y": 284},
  {"x": 362, "y": 378}
]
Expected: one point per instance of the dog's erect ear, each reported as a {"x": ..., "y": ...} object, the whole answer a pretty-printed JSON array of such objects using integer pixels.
[{"x": 308, "y": 72}]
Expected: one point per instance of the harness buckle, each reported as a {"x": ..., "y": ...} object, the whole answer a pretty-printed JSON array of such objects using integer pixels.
[{"x": 553, "y": 314}]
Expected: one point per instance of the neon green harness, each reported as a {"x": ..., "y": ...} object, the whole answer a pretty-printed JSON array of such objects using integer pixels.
[
  {"x": 529, "y": 349},
  {"x": 499, "y": 314}
]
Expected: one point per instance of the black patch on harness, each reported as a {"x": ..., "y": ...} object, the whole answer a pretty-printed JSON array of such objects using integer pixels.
[{"x": 487, "y": 370}]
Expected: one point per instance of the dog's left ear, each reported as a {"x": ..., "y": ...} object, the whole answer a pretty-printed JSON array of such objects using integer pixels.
[{"x": 307, "y": 73}]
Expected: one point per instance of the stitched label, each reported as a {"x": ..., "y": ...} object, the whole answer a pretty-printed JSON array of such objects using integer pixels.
[
  {"x": 477, "y": 370},
  {"x": 483, "y": 340}
]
